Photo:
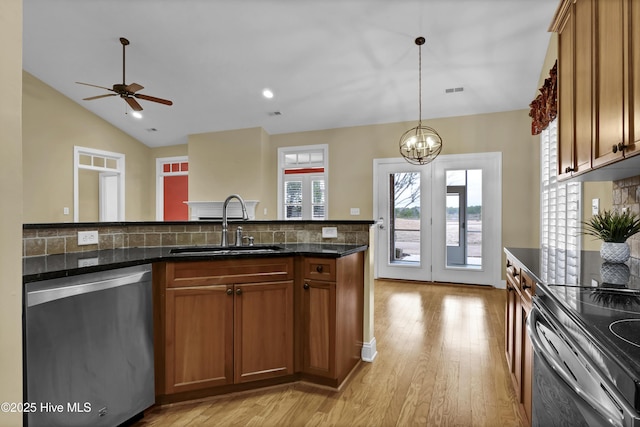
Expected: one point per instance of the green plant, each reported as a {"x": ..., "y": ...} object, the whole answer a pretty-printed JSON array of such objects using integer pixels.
[{"x": 611, "y": 226}]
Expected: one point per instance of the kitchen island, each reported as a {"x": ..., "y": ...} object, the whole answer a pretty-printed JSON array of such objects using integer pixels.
[{"x": 291, "y": 307}]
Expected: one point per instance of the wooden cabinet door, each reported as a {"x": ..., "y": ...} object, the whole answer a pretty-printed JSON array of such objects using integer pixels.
[
  {"x": 263, "y": 333},
  {"x": 199, "y": 338},
  {"x": 633, "y": 67},
  {"x": 610, "y": 81},
  {"x": 518, "y": 341},
  {"x": 510, "y": 325},
  {"x": 583, "y": 85},
  {"x": 526, "y": 385},
  {"x": 566, "y": 36},
  {"x": 319, "y": 315}
]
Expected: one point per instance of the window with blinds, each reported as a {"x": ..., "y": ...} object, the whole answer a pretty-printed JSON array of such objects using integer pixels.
[
  {"x": 560, "y": 204},
  {"x": 303, "y": 180}
]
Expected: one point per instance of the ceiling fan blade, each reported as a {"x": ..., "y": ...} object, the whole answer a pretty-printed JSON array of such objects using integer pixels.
[
  {"x": 101, "y": 87},
  {"x": 99, "y": 96},
  {"x": 132, "y": 103},
  {"x": 134, "y": 87},
  {"x": 153, "y": 99}
]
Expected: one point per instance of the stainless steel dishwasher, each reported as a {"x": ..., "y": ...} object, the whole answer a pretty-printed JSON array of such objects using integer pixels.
[{"x": 88, "y": 345}]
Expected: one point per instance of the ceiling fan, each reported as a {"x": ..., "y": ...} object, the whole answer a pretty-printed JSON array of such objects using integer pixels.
[{"x": 125, "y": 91}]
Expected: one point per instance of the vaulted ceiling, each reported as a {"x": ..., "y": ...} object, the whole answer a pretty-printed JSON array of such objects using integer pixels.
[{"x": 330, "y": 63}]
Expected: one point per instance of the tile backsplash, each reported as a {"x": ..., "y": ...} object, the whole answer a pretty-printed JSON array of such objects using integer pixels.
[
  {"x": 626, "y": 193},
  {"x": 64, "y": 239}
]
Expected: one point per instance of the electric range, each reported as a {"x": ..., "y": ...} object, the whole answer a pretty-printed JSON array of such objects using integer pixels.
[{"x": 597, "y": 305}]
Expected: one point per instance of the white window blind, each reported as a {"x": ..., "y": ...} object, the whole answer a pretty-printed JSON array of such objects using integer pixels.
[{"x": 560, "y": 205}]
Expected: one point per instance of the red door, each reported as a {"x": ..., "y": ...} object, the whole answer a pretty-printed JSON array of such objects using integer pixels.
[{"x": 176, "y": 192}]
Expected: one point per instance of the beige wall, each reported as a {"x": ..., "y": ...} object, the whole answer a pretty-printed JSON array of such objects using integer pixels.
[
  {"x": 245, "y": 162},
  {"x": 11, "y": 208},
  {"x": 52, "y": 125},
  {"x": 352, "y": 150},
  {"x": 233, "y": 162}
]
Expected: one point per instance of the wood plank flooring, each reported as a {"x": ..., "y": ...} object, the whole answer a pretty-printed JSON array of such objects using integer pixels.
[{"x": 440, "y": 363}]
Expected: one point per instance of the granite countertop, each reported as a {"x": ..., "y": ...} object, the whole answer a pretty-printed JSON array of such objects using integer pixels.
[
  {"x": 53, "y": 266},
  {"x": 578, "y": 268}
]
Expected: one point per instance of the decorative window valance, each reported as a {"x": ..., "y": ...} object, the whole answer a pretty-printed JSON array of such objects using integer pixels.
[{"x": 545, "y": 107}]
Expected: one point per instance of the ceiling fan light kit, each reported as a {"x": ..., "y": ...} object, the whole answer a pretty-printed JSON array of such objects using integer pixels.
[
  {"x": 125, "y": 91},
  {"x": 422, "y": 144}
]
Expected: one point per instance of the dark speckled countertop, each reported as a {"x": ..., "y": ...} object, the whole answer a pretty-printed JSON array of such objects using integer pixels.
[{"x": 53, "y": 266}]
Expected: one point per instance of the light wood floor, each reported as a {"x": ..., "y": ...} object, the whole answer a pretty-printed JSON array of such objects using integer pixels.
[{"x": 440, "y": 363}]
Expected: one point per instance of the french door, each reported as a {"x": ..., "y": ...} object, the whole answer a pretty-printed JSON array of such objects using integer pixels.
[
  {"x": 441, "y": 221},
  {"x": 404, "y": 232}
]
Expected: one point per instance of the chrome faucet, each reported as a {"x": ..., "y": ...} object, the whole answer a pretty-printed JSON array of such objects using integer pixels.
[{"x": 225, "y": 224}]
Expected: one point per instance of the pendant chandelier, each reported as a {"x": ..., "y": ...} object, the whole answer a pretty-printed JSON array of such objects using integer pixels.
[{"x": 421, "y": 144}]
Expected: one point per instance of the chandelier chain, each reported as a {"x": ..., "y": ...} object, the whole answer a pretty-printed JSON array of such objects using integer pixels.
[{"x": 419, "y": 85}]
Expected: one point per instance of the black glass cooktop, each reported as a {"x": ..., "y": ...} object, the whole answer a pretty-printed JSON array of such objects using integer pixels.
[{"x": 611, "y": 313}]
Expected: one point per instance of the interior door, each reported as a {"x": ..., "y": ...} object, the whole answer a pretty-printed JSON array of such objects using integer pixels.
[{"x": 404, "y": 210}]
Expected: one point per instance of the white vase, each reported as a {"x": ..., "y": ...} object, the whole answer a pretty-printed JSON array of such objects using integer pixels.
[{"x": 615, "y": 252}]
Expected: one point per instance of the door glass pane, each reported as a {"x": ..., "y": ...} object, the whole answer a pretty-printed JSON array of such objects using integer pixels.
[
  {"x": 453, "y": 219},
  {"x": 404, "y": 233},
  {"x": 464, "y": 218},
  {"x": 474, "y": 217}
]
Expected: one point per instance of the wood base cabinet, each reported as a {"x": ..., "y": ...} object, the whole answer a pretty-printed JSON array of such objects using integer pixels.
[
  {"x": 518, "y": 349},
  {"x": 331, "y": 313},
  {"x": 223, "y": 322}
]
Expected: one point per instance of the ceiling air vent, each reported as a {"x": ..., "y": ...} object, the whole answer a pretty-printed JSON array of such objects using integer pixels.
[{"x": 454, "y": 89}]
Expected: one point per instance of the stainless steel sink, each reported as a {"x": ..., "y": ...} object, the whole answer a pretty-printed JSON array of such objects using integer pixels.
[{"x": 224, "y": 250}]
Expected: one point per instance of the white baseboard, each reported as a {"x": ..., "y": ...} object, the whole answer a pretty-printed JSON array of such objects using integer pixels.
[{"x": 369, "y": 351}]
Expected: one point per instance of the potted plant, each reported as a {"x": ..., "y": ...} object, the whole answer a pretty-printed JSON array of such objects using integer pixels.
[{"x": 613, "y": 228}]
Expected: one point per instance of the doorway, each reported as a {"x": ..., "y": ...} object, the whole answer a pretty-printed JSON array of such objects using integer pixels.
[
  {"x": 172, "y": 188},
  {"x": 98, "y": 185},
  {"x": 440, "y": 221}
]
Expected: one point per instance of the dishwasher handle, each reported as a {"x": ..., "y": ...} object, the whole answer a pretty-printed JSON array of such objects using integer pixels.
[
  {"x": 535, "y": 317},
  {"x": 43, "y": 296}
]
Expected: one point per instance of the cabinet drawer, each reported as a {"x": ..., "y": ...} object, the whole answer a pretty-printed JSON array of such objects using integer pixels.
[
  {"x": 513, "y": 272},
  {"x": 528, "y": 286},
  {"x": 320, "y": 269},
  {"x": 231, "y": 271}
]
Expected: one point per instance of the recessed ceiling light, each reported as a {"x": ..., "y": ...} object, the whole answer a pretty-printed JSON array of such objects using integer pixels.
[
  {"x": 137, "y": 114},
  {"x": 267, "y": 93}
]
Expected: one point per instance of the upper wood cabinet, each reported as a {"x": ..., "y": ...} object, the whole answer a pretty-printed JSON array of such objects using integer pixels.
[{"x": 598, "y": 79}]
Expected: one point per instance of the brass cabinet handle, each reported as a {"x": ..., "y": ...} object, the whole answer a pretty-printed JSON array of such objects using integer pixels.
[
  {"x": 229, "y": 291},
  {"x": 238, "y": 291},
  {"x": 319, "y": 268},
  {"x": 306, "y": 286}
]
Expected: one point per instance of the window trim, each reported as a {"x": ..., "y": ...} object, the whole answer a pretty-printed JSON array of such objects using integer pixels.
[{"x": 282, "y": 167}]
